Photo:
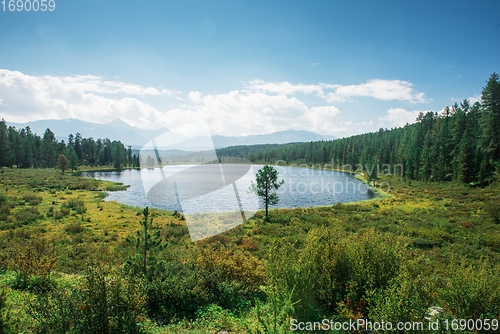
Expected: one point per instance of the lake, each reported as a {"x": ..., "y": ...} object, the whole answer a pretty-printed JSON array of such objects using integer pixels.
[{"x": 200, "y": 188}]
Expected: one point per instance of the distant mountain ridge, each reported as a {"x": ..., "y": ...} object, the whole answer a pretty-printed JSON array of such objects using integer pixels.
[
  {"x": 136, "y": 137},
  {"x": 280, "y": 137},
  {"x": 114, "y": 130}
]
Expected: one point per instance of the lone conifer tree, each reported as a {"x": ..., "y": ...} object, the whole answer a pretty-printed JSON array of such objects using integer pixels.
[
  {"x": 267, "y": 184},
  {"x": 62, "y": 163},
  {"x": 144, "y": 243}
]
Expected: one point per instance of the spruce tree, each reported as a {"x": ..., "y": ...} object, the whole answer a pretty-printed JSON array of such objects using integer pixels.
[
  {"x": 62, "y": 163},
  {"x": 145, "y": 243},
  {"x": 266, "y": 185},
  {"x": 490, "y": 124},
  {"x": 465, "y": 159},
  {"x": 4, "y": 145}
]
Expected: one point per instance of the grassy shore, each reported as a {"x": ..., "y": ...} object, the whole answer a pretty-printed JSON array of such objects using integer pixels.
[{"x": 427, "y": 231}]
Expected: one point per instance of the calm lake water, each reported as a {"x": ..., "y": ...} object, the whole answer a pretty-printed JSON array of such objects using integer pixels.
[{"x": 203, "y": 187}]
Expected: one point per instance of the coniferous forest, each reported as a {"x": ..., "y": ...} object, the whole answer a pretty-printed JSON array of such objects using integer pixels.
[
  {"x": 425, "y": 252},
  {"x": 461, "y": 143},
  {"x": 23, "y": 149}
]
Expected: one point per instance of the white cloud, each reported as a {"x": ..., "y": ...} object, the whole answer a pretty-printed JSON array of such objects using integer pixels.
[
  {"x": 282, "y": 88},
  {"x": 325, "y": 120},
  {"x": 80, "y": 84},
  {"x": 385, "y": 90},
  {"x": 244, "y": 113},
  {"x": 400, "y": 116},
  {"x": 315, "y": 64},
  {"x": 195, "y": 97},
  {"x": 261, "y": 107},
  {"x": 241, "y": 113},
  {"x": 250, "y": 111},
  {"x": 30, "y": 98},
  {"x": 472, "y": 99}
]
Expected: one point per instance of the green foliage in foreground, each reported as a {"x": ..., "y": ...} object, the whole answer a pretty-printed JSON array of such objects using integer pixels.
[{"x": 62, "y": 252}]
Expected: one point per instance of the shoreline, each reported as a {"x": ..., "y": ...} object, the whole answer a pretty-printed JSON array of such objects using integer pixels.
[{"x": 381, "y": 195}]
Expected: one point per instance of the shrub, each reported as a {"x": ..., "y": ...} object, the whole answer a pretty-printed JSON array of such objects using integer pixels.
[
  {"x": 183, "y": 289},
  {"x": 33, "y": 263},
  {"x": 115, "y": 187},
  {"x": 424, "y": 243},
  {"x": 4, "y": 198},
  {"x": 101, "y": 194},
  {"x": 50, "y": 213},
  {"x": 250, "y": 244},
  {"x": 101, "y": 303},
  {"x": 77, "y": 205},
  {"x": 174, "y": 231},
  {"x": 74, "y": 228},
  {"x": 234, "y": 265},
  {"x": 32, "y": 199},
  {"x": 5, "y": 209},
  {"x": 345, "y": 268},
  {"x": 27, "y": 215},
  {"x": 493, "y": 209},
  {"x": 406, "y": 299},
  {"x": 472, "y": 291},
  {"x": 4, "y": 316},
  {"x": 62, "y": 213}
]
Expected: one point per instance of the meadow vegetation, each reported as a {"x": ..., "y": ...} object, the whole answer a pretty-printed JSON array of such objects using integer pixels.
[{"x": 66, "y": 265}]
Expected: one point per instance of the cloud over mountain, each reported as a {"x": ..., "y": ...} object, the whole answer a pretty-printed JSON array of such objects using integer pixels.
[{"x": 259, "y": 107}]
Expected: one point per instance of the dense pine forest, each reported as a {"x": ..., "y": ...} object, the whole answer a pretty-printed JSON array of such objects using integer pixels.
[
  {"x": 461, "y": 143},
  {"x": 24, "y": 149}
]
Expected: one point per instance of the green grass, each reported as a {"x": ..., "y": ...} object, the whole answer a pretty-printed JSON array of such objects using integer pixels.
[{"x": 441, "y": 231}]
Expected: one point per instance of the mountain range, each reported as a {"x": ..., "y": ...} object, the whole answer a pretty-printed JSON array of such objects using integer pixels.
[{"x": 136, "y": 137}]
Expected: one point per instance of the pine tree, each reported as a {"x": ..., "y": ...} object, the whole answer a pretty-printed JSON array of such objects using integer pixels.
[
  {"x": 62, "y": 163},
  {"x": 426, "y": 158},
  {"x": 145, "y": 243},
  {"x": 444, "y": 147},
  {"x": 4, "y": 145},
  {"x": 266, "y": 185},
  {"x": 465, "y": 159},
  {"x": 72, "y": 157},
  {"x": 48, "y": 149},
  {"x": 490, "y": 122}
]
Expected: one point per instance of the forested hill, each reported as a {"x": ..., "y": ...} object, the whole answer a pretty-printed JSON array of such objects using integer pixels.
[
  {"x": 249, "y": 150},
  {"x": 463, "y": 144}
]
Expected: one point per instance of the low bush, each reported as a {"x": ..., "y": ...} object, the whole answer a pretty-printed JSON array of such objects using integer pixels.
[
  {"x": 101, "y": 303},
  {"x": 32, "y": 199},
  {"x": 493, "y": 210},
  {"x": 250, "y": 244},
  {"x": 76, "y": 204},
  {"x": 62, "y": 213},
  {"x": 4, "y": 198},
  {"x": 183, "y": 289},
  {"x": 174, "y": 232},
  {"x": 74, "y": 228},
  {"x": 33, "y": 262},
  {"x": 28, "y": 215},
  {"x": 472, "y": 291}
]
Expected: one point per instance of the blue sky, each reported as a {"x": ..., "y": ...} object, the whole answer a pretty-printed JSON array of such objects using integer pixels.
[{"x": 247, "y": 67}]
